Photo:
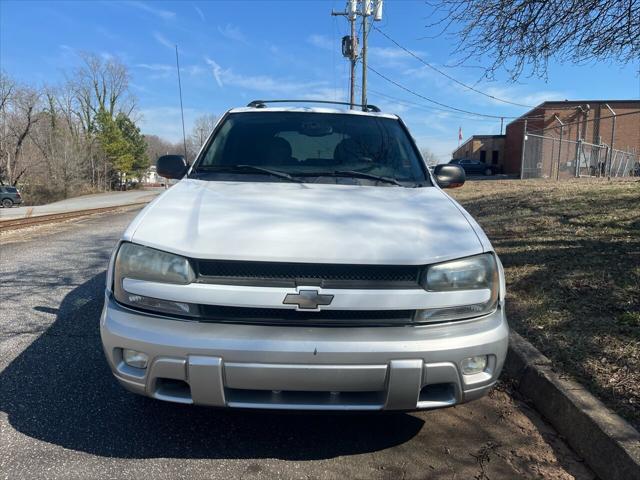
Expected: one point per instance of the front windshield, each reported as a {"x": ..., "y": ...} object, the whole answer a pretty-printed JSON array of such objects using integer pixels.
[{"x": 305, "y": 144}]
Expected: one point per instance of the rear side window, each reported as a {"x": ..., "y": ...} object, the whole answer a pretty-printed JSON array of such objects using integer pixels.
[{"x": 307, "y": 143}]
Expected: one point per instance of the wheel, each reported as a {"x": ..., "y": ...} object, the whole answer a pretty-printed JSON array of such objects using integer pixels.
[
  {"x": 488, "y": 172},
  {"x": 7, "y": 203}
]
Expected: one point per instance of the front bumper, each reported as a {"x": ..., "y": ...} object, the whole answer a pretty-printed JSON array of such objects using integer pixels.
[{"x": 317, "y": 368}]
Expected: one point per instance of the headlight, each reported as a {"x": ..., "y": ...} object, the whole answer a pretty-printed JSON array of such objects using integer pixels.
[
  {"x": 479, "y": 272},
  {"x": 144, "y": 263}
]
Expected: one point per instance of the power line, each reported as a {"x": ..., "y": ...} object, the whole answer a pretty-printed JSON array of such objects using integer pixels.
[
  {"x": 453, "y": 115},
  {"x": 399, "y": 85},
  {"x": 469, "y": 87}
]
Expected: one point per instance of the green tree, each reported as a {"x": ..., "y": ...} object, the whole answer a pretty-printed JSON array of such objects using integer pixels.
[
  {"x": 117, "y": 150},
  {"x": 137, "y": 146}
]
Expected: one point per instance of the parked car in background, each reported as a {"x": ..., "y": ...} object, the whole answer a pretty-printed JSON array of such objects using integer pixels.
[
  {"x": 9, "y": 196},
  {"x": 307, "y": 259},
  {"x": 476, "y": 167}
]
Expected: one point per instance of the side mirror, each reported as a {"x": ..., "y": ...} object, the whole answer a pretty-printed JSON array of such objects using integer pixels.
[
  {"x": 449, "y": 176},
  {"x": 171, "y": 166}
]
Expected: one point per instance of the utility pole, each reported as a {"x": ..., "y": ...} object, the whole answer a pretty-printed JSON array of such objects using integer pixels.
[
  {"x": 350, "y": 46},
  {"x": 350, "y": 43},
  {"x": 366, "y": 11},
  {"x": 377, "y": 16},
  {"x": 354, "y": 53}
]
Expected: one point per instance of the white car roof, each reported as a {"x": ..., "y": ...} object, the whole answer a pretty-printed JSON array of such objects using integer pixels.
[{"x": 312, "y": 110}]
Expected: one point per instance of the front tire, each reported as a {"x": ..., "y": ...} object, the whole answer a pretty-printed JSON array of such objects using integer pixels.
[
  {"x": 488, "y": 172},
  {"x": 7, "y": 203}
]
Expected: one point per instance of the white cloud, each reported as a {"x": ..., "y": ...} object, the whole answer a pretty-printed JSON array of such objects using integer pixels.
[
  {"x": 390, "y": 53},
  {"x": 518, "y": 95},
  {"x": 325, "y": 93},
  {"x": 233, "y": 33},
  {"x": 320, "y": 41},
  {"x": 156, "y": 67},
  {"x": 391, "y": 57},
  {"x": 158, "y": 12},
  {"x": 216, "y": 70},
  {"x": 263, "y": 83},
  {"x": 162, "y": 70},
  {"x": 162, "y": 40},
  {"x": 194, "y": 70},
  {"x": 67, "y": 49},
  {"x": 266, "y": 83},
  {"x": 158, "y": 70},
  {"x": 200, "y": 13},
  {"x": 511, "y": 93}
]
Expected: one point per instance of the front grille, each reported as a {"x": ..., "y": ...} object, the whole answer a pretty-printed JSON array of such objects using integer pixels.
[
  {"x": 296, "y": 274},
  {"x": 282, "y": 316}
]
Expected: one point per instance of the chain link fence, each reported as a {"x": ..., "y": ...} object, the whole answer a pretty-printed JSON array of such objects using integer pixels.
[
  {"x": 558, "y": 158},
  {"x": 547, "y": 154}
]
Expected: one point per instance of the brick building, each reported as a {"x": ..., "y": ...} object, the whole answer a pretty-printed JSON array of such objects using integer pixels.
[
  {"x": 585, "y": 120},
  {"x": 486, "y": 148}
]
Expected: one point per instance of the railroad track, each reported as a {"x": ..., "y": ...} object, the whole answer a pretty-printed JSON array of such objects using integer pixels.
[{"x": 18, "y": 223}]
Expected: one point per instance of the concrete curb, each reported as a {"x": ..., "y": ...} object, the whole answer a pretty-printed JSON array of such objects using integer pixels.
[{"x": 609, "y": 445}]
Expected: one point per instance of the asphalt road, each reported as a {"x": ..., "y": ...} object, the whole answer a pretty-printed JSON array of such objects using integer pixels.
[
  {"x": 97, "y": 200},
  {"x": 62, "y": 415}
]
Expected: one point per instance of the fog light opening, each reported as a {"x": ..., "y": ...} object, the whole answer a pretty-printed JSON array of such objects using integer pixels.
[
  {"x": 135, "y": 359},
  {"x": 473, "y": 365}
]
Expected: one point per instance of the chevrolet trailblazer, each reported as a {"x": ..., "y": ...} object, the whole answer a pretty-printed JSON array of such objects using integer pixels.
[{"x": 307, "y": 259}]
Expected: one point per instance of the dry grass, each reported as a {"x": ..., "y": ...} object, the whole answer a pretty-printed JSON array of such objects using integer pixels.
[{"x": 571, "y": 252}]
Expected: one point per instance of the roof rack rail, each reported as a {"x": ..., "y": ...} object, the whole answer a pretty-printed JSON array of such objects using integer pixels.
[{"x": 263, "y": 104}]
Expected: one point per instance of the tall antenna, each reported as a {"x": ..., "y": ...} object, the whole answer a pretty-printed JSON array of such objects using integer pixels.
[{"x": 184, "y": 135}]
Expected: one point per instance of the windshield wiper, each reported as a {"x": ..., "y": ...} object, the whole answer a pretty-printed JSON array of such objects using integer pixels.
[
  {"x": 357, "y": 174},
  {"x": 245, "y": 169}
]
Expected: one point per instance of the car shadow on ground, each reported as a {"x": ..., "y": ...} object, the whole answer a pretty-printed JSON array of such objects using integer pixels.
[{"x": 60, "y": 390}]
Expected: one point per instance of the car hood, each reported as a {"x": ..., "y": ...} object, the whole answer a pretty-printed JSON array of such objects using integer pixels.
[{"x": 292, "y": 222}]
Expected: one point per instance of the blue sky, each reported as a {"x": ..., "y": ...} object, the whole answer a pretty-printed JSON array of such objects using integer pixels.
[{"x": 233, "y": 52}]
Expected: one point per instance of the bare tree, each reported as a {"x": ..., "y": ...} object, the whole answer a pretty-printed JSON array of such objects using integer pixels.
[
  {"x": 202, "y": 128},
  {"x": 101, "y": 85},
  {"x": 52, "y": 142},
  {"x": 22, "y": 114},
  {"x": 7, "y": 85},
  {"x": 98, "y": 85},
  {"x": 523, "y": 35},
  {"x": 430, "y": 158},
  {"x": 156, "y": 147}
]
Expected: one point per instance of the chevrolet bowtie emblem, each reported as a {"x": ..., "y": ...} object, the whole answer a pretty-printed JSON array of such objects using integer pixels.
[{"x": 307, "y": 299}]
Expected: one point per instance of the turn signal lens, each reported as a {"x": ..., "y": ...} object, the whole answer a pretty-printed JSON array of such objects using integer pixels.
[
  {"x": 473, "y": 365},
  {"x": 135, "y": 359}
]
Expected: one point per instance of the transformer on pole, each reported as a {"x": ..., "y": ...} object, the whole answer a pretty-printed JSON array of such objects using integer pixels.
[{"x": 368, "y": 8}]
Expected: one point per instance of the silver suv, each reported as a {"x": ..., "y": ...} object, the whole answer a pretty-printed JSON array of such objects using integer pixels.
[{"x": 307, "y": 259}]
